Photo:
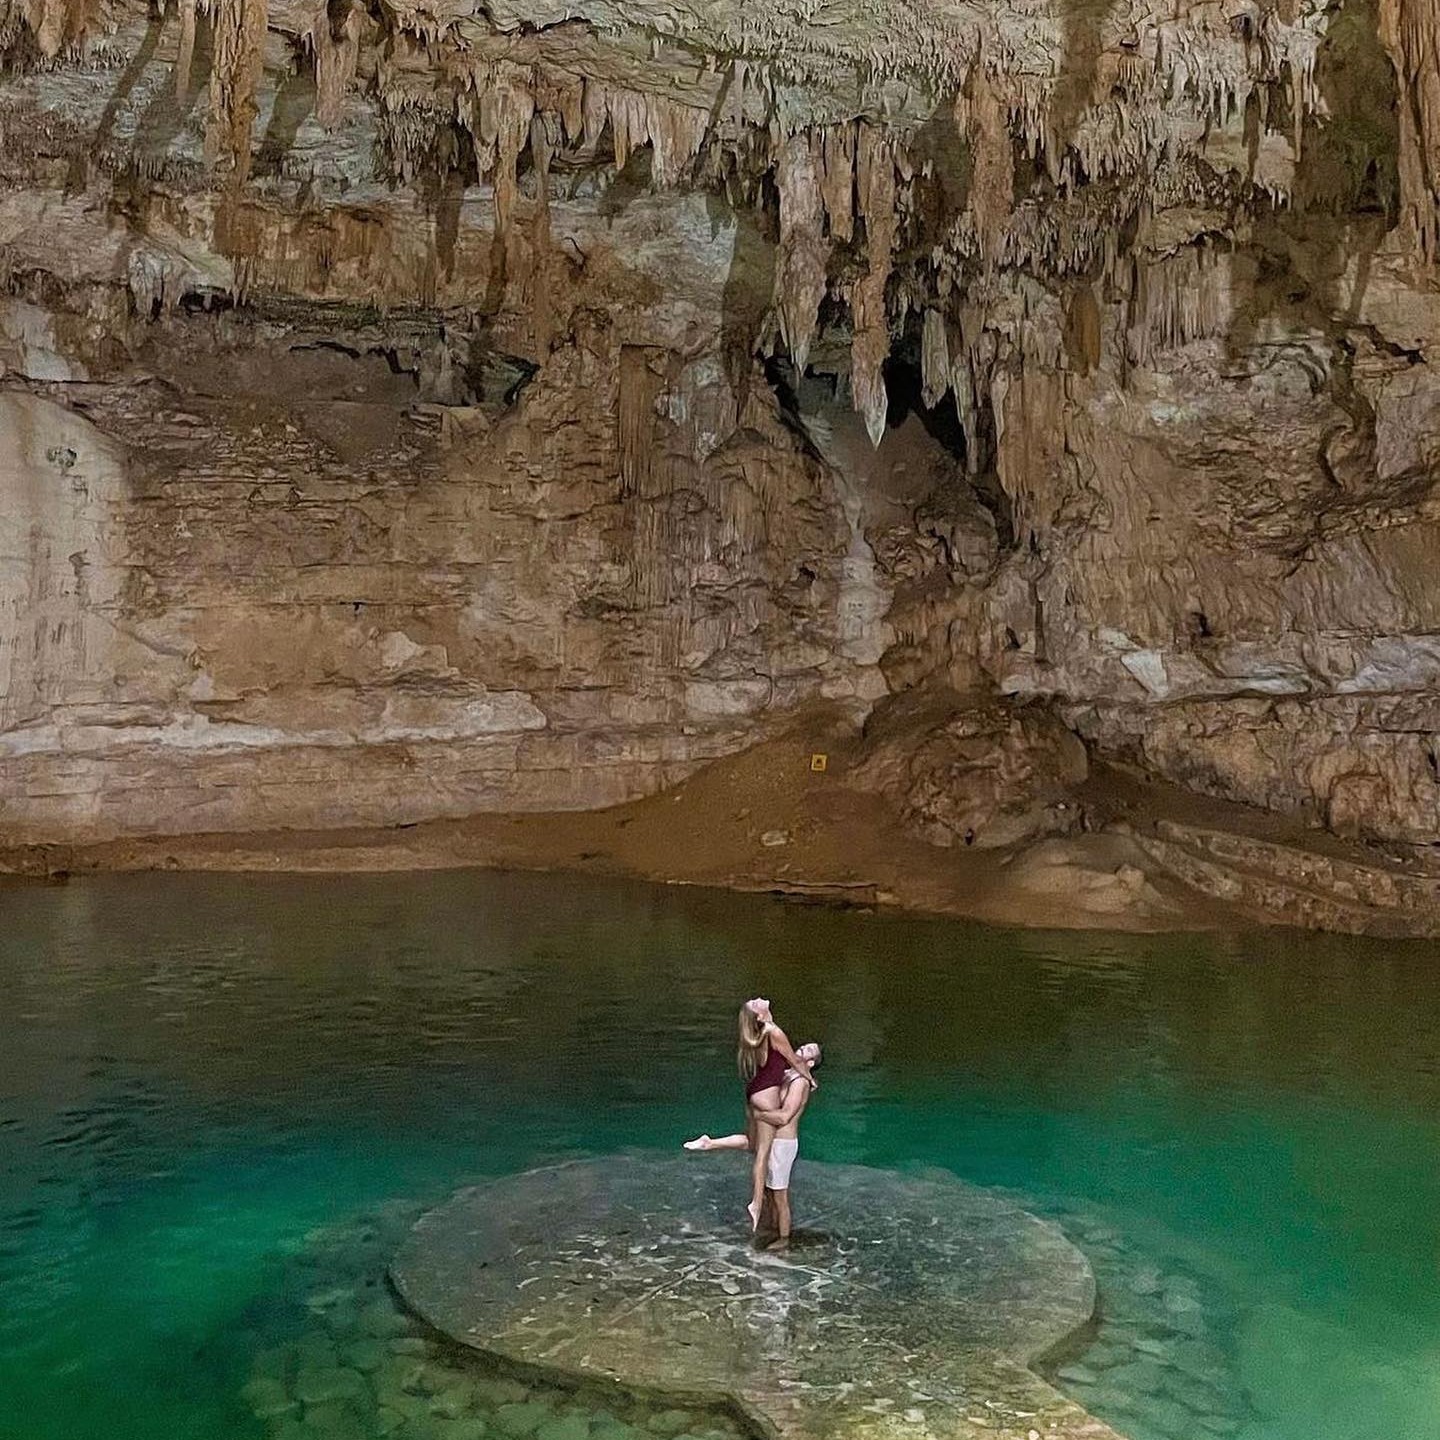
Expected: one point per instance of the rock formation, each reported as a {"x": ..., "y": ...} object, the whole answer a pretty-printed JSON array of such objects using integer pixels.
[
  {"x": 417, "y": 407},
  {"x": 918, "y": 1311}
]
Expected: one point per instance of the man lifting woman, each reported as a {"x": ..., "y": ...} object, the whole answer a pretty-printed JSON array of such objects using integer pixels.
[{"x": 778, "y": 1084}]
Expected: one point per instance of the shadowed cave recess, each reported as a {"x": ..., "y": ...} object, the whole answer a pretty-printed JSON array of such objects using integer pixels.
[{"x": 422, "y": 410}]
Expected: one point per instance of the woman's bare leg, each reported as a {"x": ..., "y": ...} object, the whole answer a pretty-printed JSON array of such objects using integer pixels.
[
  {"x": 763, "y": 1141},
  {"x": 760, "y": 1137},
  {"x": 719, "y": 1142}
]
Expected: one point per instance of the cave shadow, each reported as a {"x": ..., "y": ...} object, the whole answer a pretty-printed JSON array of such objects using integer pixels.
[
  {"x": 166, "y": 114},
  {"x": 904, "y": 388},
  {"x": 294, "y": 103},
  {"x": 1082, "y": 24},
  {"x": 782, "y": 378},
  {"x": 939, "y": 145},
  {"x": 745, "y": 295},
  {"x": 444, "y": 200},
  {"x": 630, "y": 184},
  {"x": 1348, "y": 169},
  {"x": 78, "y": 173}
]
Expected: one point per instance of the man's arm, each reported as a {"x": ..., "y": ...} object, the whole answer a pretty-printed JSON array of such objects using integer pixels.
[
  {"x": 795, "y": 1099},
  {"x": 781, "y": 1042}
]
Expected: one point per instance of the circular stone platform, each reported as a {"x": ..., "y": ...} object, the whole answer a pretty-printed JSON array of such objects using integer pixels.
[{"x": 907, "y": 1307}]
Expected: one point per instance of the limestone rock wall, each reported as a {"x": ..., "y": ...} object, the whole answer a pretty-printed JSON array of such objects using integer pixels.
[
  {"x": 254, "y": 578},
  {"x": 456, "y": 407},
  {"x": 1228, "y": 577}
]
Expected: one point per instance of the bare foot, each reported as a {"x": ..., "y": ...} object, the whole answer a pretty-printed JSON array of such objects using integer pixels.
[
  {"x": 700, "y": 1142},
  {"x": 753, "y": 1211}
]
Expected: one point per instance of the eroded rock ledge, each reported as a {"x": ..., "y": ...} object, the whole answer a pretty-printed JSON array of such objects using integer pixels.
[
  {"x": 909, "y": 1306},
  {"x": 413, "y": 410}
]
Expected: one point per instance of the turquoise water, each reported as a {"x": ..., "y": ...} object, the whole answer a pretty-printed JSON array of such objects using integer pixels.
[{"x": 216, "y": 1092}]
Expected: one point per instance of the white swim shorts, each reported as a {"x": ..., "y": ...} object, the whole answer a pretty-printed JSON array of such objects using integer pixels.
[{"x": 782, "y": 1162}]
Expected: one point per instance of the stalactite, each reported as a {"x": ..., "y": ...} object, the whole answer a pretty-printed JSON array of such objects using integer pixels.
[
  {"x": 498, "y": 114},
  {"x": 676, "y": 134},
  {"x": 544, "y": 136},
  {"x": 963, "y": 388},
  {"x": 837, "y": 178},
  {"x": 732, "y": 113},
  {"x": 972, "y": 366},
  {"x": 1154, "y": 92},
  {"x": 239, "y": 39},
  {"x": 543, "y": 142},
  {"x": 804, "y": 253},
  {"x": 640, "y": 387},
  {"x": 1410, "y": 30},
  {"x": 1082, "y": 329},
  {"x": 562, "y": 95},
  {"x": 337, "y": 52},
  {"x": 992, "y": 186},
  {"x": 56, "y": 24},
  {"x": 875, "y": 185},
  {"x": 594, "y": 110},
  {"x": 934, "y": 359},
  {"x": 1000, "y": 379},
  {"x": 629, "y": 123},
  {"x": 1177, "y": 299},
  {"x": 185, "y": 53}
]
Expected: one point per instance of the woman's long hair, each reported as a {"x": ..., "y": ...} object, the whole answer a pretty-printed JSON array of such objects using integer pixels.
[{"x": 753, "y": 1049}]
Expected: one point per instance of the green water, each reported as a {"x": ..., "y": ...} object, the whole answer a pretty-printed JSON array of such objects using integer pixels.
[{"x": 199, "y": 1075}]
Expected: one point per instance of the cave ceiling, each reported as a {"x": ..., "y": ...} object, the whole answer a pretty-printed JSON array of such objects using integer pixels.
[{"x": 922, "y": 168}]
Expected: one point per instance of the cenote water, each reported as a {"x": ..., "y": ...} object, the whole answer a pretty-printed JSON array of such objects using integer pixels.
[{"x": 222, "y": 1098}]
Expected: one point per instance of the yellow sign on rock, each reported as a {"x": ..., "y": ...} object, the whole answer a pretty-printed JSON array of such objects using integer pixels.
[{"x": 819, "y": 762}]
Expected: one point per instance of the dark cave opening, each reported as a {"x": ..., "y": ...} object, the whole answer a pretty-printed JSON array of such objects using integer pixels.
[{"x": 904, "y": 388}]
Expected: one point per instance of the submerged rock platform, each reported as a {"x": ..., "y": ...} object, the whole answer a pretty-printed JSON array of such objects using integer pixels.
[{"x": 906, "y": 1306}]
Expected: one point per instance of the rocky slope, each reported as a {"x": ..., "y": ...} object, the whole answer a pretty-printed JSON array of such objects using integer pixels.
[{"x": 415, "y": 409}]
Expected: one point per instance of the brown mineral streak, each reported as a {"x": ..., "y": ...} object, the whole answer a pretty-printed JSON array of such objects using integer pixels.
[
  {"x": 1411, "y": 32},
  {"x": 801, "y": 263},
  {"x": 239, "y": 47},
  {"x": 336, "y": 56},
  {"x": 982, "y": 118},
  {"x": 185, "y": 53}
]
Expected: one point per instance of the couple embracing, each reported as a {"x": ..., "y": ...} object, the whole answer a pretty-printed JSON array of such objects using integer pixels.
[{"x": 778, "y": 1084}]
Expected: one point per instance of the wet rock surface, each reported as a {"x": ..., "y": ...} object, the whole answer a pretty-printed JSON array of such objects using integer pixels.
[
  {"x": 908, "y": 1306},
  {"x": 1194, "y": 1346}
]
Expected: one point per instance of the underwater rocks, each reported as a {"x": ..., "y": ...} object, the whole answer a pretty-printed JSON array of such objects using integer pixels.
[
  {"x": 1163, "y": 1358},
  {"x": 364, "y": 1370},
  {"x": 1169, "y": 1355}
]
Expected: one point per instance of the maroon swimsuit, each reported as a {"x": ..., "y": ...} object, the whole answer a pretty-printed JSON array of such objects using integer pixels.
[{"x": 768, "y": 1076}]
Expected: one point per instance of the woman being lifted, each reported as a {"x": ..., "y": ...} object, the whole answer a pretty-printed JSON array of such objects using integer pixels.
[{"x": 763, "y": 1054}]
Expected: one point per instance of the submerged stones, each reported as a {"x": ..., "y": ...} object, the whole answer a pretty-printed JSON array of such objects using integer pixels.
[
  {"x": 339, "y": 1360},
  {"x": 1161, "y": 1361},
  {"x": 1134, "y": 1366},
  {"x": 912, "y": 1305}
]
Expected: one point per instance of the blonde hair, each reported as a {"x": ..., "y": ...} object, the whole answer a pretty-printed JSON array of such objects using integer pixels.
[{"x": 753, "y": 1047}]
